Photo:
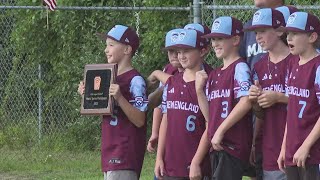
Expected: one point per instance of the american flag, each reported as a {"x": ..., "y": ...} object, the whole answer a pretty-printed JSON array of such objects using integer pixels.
[{"x": 51, "y": 4}]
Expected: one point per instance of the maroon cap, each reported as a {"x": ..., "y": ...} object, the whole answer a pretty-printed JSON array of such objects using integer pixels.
[
  {"x": 226, "y": 27},
  {"x": 267, "y": 18},
  {"x": 184, "y": 38},
  {"x": 124, "y": 35},
  {"x": 303, "y": 22}
]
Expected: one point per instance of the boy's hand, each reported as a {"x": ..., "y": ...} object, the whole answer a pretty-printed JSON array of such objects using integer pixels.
[
  {"x": 159, "y": 169},
  {"x": 216, "y": 141},
  {"x": 201, "y": 78},
  {"x": 152, "y": 143},
  {"x": 255, "y": 91},
  {"x": 81, "y": 87},
  {"x": 280, "y": 160},
  {"x": 195, "y": 172},
  {"x": 152, "y": 81},
  {"x": 300, "y": 157},
  {"x": 114, "y": 91},
  {"x": 267, "y": 99}
]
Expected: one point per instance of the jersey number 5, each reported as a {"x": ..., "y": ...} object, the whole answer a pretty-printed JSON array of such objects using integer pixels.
[{"x": 190, "y": 125}]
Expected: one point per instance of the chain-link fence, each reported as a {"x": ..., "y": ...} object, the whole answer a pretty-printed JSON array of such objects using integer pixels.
[{"x": 42, "y": 56}]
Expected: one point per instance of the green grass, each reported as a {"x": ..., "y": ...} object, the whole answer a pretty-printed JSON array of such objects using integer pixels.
[{"x": 46, "y": 165}]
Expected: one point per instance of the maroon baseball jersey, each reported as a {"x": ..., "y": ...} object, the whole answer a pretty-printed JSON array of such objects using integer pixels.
[
  {"x": 272, "y": 77},
  {"x": 224, "y": 89},
  {"x": 303, "y": 88},
  {"x": 186, "y": 125},
  {"x": 122, "y": 143}
]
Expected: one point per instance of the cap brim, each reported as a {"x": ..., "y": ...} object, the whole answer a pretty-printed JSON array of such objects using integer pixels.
[
  {"x": 290, "y": 29},
  {"x": 179, "y": 46},
  {"x": 255, "y": 27},
  {"x": 212, "y": 35},
  {"x": 104, "y": 37}
]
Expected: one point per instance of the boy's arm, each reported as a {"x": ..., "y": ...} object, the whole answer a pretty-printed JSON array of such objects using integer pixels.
[
  {"x": 155, "y": 98},
  {"x": 158, "y": 75},
  {"x": 257, "y": 128},
  {"x": 156, "y": 122},
  {"x": 240, "y": 110},
  {"x": 303, "y": 152},
  {"x": 159, "y": 167},
  {"x": 203, "y": 104},
  {"x": 201, "y": 80},
  {"x": 135, "y": 109},
  {"x": 281, "y": 157},
  {"x": 269, "y": 98},
  {"x": 136, "y": 116},
  {"x": 203, "y": 149}
]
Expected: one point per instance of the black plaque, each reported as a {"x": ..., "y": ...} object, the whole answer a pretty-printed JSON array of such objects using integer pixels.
[{"x": 97, "y": 80}]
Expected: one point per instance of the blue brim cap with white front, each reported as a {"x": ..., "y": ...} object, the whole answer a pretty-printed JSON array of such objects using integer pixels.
[
  {"x": 183, "y": 38},
  {"x": 302, "y": 22},
  {"x": 266, "y": 18},
  {"x": 116, "y": 33},
  {"x": 225, "y": 26}
]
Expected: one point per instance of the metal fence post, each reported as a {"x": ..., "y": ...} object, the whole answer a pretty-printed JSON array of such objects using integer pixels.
[
  {"x": 196, "y": 11},
  {"x": 39, "y": 106}
]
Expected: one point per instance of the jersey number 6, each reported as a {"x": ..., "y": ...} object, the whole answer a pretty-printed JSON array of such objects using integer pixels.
[{"x": 190, "y": 125}]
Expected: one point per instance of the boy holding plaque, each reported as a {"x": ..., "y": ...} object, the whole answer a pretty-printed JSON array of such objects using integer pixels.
[{"x": 123, "y": 138}]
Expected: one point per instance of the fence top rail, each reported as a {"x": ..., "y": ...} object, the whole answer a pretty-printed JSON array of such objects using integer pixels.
[
  {"x": 102, "y": 8},
  {"x": 246, "y": 7}
]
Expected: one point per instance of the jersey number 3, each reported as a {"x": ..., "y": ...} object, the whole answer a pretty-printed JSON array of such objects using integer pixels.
[{"x": 224, "y": 113}]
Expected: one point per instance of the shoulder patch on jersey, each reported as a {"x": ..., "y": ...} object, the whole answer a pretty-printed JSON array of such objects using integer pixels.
[
  {"x": 245, "y": 85},
  {"x": 138, "y": 101}
]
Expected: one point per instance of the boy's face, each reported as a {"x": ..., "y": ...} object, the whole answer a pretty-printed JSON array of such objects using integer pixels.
[
  {"x": 267, "y": 38},
  {"x": 222, "y": 46},
  {"x": 268, "y": 3},
  {"x": 173, "y": 58},
  {"x": 114, "y": 51},
  {"x": 189, "y": 58},
  {"x": 298, "y": 42}
]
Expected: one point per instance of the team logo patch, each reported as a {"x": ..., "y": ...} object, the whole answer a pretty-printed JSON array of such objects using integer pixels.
[
  {"x": 256, "y": 17},
  {"x": 291, "y": 18},
  {"x": 174, "y": 37},
  {"x": 216, "y": 25},
  {"x": 182, "y": 35},
  {"x": 138, "y": 101},
  {"x": 245, "y": 85}
]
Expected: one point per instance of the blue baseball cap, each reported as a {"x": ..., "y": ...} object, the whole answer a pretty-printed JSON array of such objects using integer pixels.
[
  {"x": 267, "y": 18},
  {"x": 201, "y": 28},
  {"x": 226, "y": 27},
  {"x": 169, "y": 36},
  {"x": 303, "y": 22},
  {"x": 184, "y": 38},
  {"x": 198, "y": 27},
  {"x": 124, "y": 35},
  {"x": 287, "y": 11}
]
